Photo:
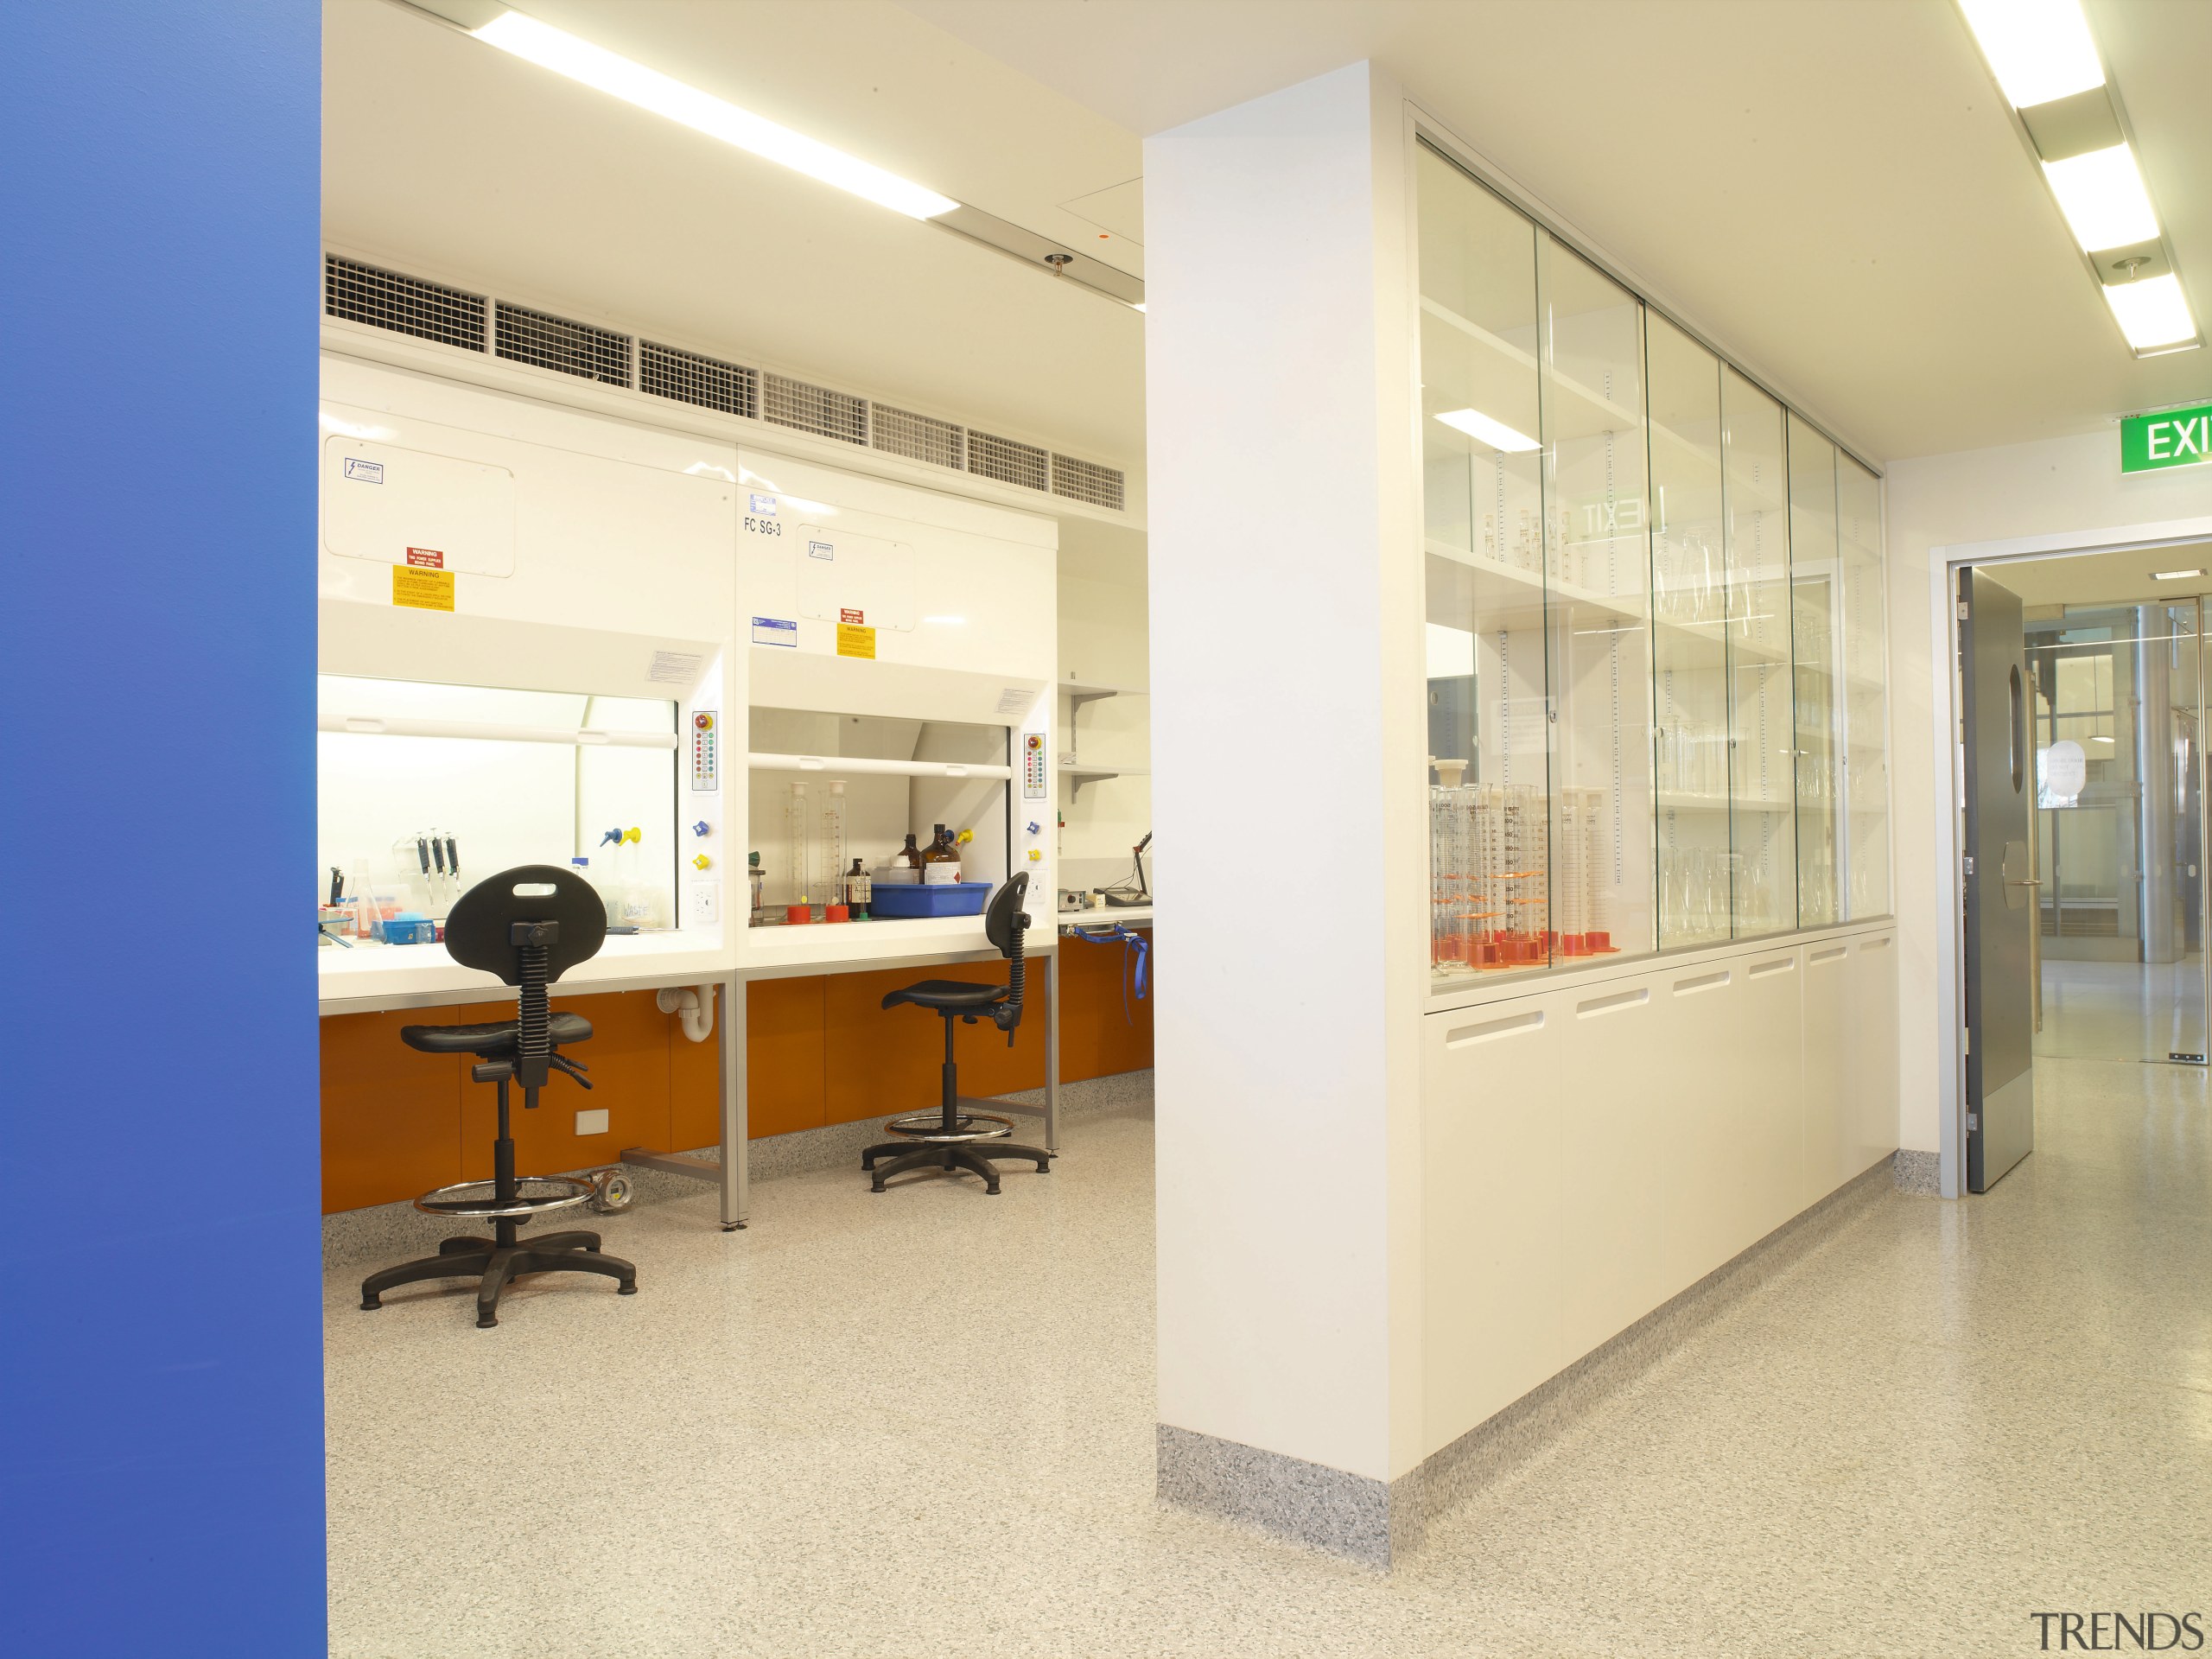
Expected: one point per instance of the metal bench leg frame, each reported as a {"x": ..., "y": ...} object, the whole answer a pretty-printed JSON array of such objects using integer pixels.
[{"x": 498, "y": 1260}]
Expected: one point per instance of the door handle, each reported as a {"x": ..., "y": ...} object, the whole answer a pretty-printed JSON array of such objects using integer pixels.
[{"x": 2010, "y": 882}]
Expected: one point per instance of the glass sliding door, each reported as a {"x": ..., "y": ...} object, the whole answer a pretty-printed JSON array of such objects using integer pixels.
[
  {"x": 1485, "y": 546},
  {"x": 1597, "y": 575},
  {"x": 1689, "y": 598},
  {"x": 1816, "y": 614},
  {"x": 1764, "y": 795}
]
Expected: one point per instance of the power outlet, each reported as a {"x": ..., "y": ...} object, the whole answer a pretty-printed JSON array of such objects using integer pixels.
[
  {"x": 706, "y": 907},
  {"x": 591, "y": 1122}
]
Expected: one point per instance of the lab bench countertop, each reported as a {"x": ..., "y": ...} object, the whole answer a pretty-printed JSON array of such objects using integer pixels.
[{"x": 371, "y": 976}]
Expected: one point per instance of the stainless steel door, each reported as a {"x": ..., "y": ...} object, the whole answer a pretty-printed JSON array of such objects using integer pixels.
[{"x": 2001, "y": 882}]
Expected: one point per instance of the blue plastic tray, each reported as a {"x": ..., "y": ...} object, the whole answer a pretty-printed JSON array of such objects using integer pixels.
[{"x": 950, "y": 898}]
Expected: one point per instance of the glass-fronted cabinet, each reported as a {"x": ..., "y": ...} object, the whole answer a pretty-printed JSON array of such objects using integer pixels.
[{"x": 1643, "y": 705}]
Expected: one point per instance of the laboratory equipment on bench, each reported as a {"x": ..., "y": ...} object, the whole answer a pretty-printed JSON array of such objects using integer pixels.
[
  {"x": 859, "y": 891},
  {"x": 1134, "y": 893},
  {"x": 755, "y": 876},
  {"x": 941, "y": 861},
  {"x": 798, "y": 854},
  {"x": 835, "y": 906},
  {"x": 1505, "y": 892}
]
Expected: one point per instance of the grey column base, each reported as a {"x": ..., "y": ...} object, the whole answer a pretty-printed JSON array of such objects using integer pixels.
[
  {"x": 1920, "y": 1172},
  {"x": 1379, "y": 1523}
]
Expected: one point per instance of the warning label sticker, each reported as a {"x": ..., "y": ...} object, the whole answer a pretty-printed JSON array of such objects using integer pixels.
[
  {"x": 422, "y": 590},
  {"x": 845, "y": 614},
  {"x": 426, "y": 558},
  {"x": 856, "y": 641}
]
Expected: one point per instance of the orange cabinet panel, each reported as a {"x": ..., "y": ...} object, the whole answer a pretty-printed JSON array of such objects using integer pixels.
[
  {"x": 881, "y": 1060},
  {"x": 391, "y": 1116},
  {"x": 818, "y": 1050},
  {"x": 1098, "y": 1037}
]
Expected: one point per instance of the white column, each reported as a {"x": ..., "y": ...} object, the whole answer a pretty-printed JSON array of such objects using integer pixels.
[{"x": 1289, "y": 788}]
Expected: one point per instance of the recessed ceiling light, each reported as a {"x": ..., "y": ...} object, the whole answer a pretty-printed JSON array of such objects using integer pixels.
[
  {"x": 2102, "y": 196},
  {"x": 2151, "y": 312},
  {"x": 2174, "y": 576},
  {"x": 1498, "y": 436},
  {"x": 2039, "y": 49},
  {"x": 595, "y": 66}
]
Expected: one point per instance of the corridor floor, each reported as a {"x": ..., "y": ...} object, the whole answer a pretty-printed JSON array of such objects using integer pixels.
[{"x": 922, "y": 1423}]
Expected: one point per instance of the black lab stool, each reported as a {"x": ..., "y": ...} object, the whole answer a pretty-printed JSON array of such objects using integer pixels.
[
  {"x": 949, "y": 1137},
  {"x": 529, "y": 925}
]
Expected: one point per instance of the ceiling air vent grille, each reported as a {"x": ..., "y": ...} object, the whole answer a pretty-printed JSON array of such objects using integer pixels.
[
  {"x": 918, "y": 437},
  {"x": 1008, "y": 461},
  {"x": 817, "y": 410},
  {"x": 1086, "y": 481},
  {"x": 688, "y": 378},
  {"x": 556, "y": 343},
  {"x": 406, "y": 305},
  {"x": 355, "y": 292}
]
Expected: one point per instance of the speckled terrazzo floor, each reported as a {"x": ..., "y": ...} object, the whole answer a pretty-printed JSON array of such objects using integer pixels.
[{"x": 922, "y": 1424}]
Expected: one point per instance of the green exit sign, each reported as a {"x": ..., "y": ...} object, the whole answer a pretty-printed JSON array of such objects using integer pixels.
[{"x": 2173, "y": 437}]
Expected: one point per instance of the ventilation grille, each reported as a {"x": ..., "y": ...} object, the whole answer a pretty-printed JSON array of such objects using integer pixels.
[
  {"x": 688, "y": 378},
  {"x": 1008, "y": 461},
  {"x": 918, "y": 437},
  {"x": 566, "y": 347},
  {"x": 406, "y": 305},
  {"x": 428, "y": 310},
  {"x": 1086, "y": 481},
  {"x": 817, "y": 410}
]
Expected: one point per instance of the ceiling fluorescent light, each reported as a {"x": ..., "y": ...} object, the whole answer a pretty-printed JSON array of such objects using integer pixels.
[
  {"x": 566, "y": 54},
  {"x": 1498, "y": 436},
  {"x": 2102, "y": 196},
  {"x": 2152, "y": 312},
  {"x": 2038, "y": 49},
  {"x": 2174, "y": 576}
]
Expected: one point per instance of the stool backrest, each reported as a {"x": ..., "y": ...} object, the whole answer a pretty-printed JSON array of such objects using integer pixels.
[
  {"x": 1005, "y": 926},
  {"x": 480, "y": 932}
]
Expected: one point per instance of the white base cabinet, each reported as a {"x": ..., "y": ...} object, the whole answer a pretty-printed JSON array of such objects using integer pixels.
[{"x": 1593, "y": 1148}]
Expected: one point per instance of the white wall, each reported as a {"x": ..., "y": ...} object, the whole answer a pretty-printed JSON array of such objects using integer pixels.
[
  {"x": 1286, "y": 637},
  {"x": 1105, "y": 640},
  {"x": 2063, "y": 486}
]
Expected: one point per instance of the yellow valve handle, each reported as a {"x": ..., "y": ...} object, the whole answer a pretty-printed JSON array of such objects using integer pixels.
[
  {"x": 965, "y": 836},
  {"x": 700, "y": 862},
  {"x": 634, "y": 835}
]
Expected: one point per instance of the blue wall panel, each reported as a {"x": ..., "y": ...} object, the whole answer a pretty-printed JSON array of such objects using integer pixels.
[{"x": 161, "y": 1391}]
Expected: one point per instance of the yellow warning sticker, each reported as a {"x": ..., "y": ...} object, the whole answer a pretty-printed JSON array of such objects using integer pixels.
[
  {"x": 425, "y": 590},
  {"x": 856, "y": 641}
]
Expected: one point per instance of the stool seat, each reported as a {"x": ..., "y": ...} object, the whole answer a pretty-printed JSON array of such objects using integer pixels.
[
  {"x": 494, "y": 1041},
  {"x": 957, "y": 994}
]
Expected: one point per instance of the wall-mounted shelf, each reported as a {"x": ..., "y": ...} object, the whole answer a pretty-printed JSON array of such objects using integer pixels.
[
  {"x": 1079, "y": 692},
  {"x": 1078, "y": 776}
]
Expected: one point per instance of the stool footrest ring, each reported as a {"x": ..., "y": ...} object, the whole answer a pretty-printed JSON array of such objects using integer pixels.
[
  {"x": 927, "y": 1128},
  {"x": 480, "y": 1198}
]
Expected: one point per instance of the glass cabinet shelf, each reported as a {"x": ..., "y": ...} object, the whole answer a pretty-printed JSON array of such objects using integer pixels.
[{"x": 1657, "y": 669}]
